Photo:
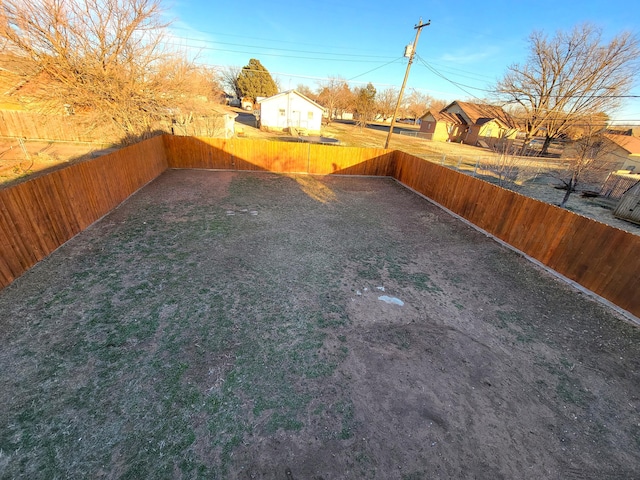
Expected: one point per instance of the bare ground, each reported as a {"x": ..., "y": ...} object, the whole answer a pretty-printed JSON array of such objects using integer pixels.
[{"x": 235, "y": 325}]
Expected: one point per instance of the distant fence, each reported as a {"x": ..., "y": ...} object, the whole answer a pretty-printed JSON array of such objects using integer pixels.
[
  {"x": 416, "y": 134},
  {"x": 281, "y": 157},
  {"x": 84, "y": 128},
  {"x": 41, "y": 214},
  {"x": 616, "y": 184},
  {"x": 34, "y": 126}
]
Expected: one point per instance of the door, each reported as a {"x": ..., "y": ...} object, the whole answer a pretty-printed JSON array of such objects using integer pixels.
[{"x": 294, "y": 121}]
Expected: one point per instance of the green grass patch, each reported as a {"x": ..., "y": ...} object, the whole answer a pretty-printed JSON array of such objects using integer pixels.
[
  {"x": 191, "y": 345},
  {"x": 568, "y": 387}
]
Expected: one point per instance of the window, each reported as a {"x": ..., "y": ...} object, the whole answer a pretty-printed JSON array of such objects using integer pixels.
[
  {"x": 282, "y": 112},
  {"x": 310, "y": 116}
]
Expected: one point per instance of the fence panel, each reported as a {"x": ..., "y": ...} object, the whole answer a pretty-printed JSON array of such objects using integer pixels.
[
  {"x": 335, "y": 159},
  {"x": 197, "y": 152},
  {"x": 601, "y": 258},
  {"x": 236, "y": 154},
  {"x": 281, "y": 157},
  {"x": 39, "y": 215}
]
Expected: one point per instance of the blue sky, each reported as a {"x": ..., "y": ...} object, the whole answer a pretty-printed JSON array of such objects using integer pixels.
[{"x": 467, "y": 47}]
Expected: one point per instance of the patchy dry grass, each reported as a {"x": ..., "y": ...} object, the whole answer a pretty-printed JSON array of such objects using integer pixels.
[{"x": 222, "y": 325}]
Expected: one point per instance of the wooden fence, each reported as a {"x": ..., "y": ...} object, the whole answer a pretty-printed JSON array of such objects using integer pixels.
[
  {"x": 72, "y": 128},
  {"x": 281, "y": 157},
  {"x": 39, "y": 215},
  {"x": 601, "y": 258}
]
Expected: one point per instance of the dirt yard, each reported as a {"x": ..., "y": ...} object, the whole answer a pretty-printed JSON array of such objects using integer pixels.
[{"x": 261, "y": 326}]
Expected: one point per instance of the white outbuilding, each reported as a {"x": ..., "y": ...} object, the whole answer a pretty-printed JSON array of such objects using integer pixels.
[{"x": 288, "y": 110}]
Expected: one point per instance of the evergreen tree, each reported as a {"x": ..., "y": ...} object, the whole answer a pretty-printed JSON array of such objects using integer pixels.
[
  {"x": 255, "y": 81},
  {"x": 365, "y": 104}
]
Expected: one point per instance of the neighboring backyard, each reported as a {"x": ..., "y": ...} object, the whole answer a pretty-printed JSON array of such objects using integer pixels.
[{"x": 262, "y": 326}]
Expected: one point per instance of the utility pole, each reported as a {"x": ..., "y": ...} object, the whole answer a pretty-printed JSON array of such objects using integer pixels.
[{"x": 406, "y": 76}]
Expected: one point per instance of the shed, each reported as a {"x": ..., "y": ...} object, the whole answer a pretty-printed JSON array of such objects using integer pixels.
[
  {"x": 217, "y": 122},
  {"x": 290, "y": 109},
  {"x": 629, "y": 206}
]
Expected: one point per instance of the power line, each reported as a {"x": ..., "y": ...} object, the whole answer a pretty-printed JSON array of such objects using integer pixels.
[
  {"x": 362, "y": 56},
  {"x": 298, "y": 57},
  {"x": 494, "y": 91},
  {"x": 279, "y": 49},
  {"x": 352, "y": 80},
  {"x": 459, "y": 85},
  {"x": 427, "y": 65},
  {"x": 341, "y": 47},
  {"x": 471, "y": 75},
  {"x": 374, "y": 69},
  {"x": 295, "y": 75}
]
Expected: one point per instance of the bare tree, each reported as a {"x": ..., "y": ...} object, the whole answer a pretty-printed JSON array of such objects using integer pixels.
[
  {"x": 505, "y": 165},
  {"x": 307, "y": 92},
  {"x": 417, "y": 104},
  {"x": 589, "y": 159},
  {"x": 331, "y": 95},
  {"x": 346, "y": 100},
  {"x": 386, "y": 102},
  {"x": 103, "y": 56},
  {"x": 190, "y": 92},
  {"x": 435, "y": 105},
  {"x": 570, "y": 76},
  {"x": 229, "y": 79},
  {"x": 185, "y": 79}
]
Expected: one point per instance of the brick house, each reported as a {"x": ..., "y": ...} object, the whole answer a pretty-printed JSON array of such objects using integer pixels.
[{"x": 469, "y": 123}]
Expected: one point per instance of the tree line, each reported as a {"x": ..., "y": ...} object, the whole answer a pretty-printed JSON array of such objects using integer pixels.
[
  {"x": 335, "y": 94},
  {"x": 103, "y": 58},
  {"x": 110, "y": 58}
]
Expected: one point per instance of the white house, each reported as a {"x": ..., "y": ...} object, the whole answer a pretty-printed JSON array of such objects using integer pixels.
[{"x": 290, "y": 109}]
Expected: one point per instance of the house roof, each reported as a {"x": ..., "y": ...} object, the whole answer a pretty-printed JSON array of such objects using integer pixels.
[
  {"x": 477, "y": 113},
  {"x": 288, "y": 92},
  {"x": 481, "y": 113},
  {"x": 221, "y": 110},
  {"x": 626, "y": 142},
  {"x": 443, "y": 116}
]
